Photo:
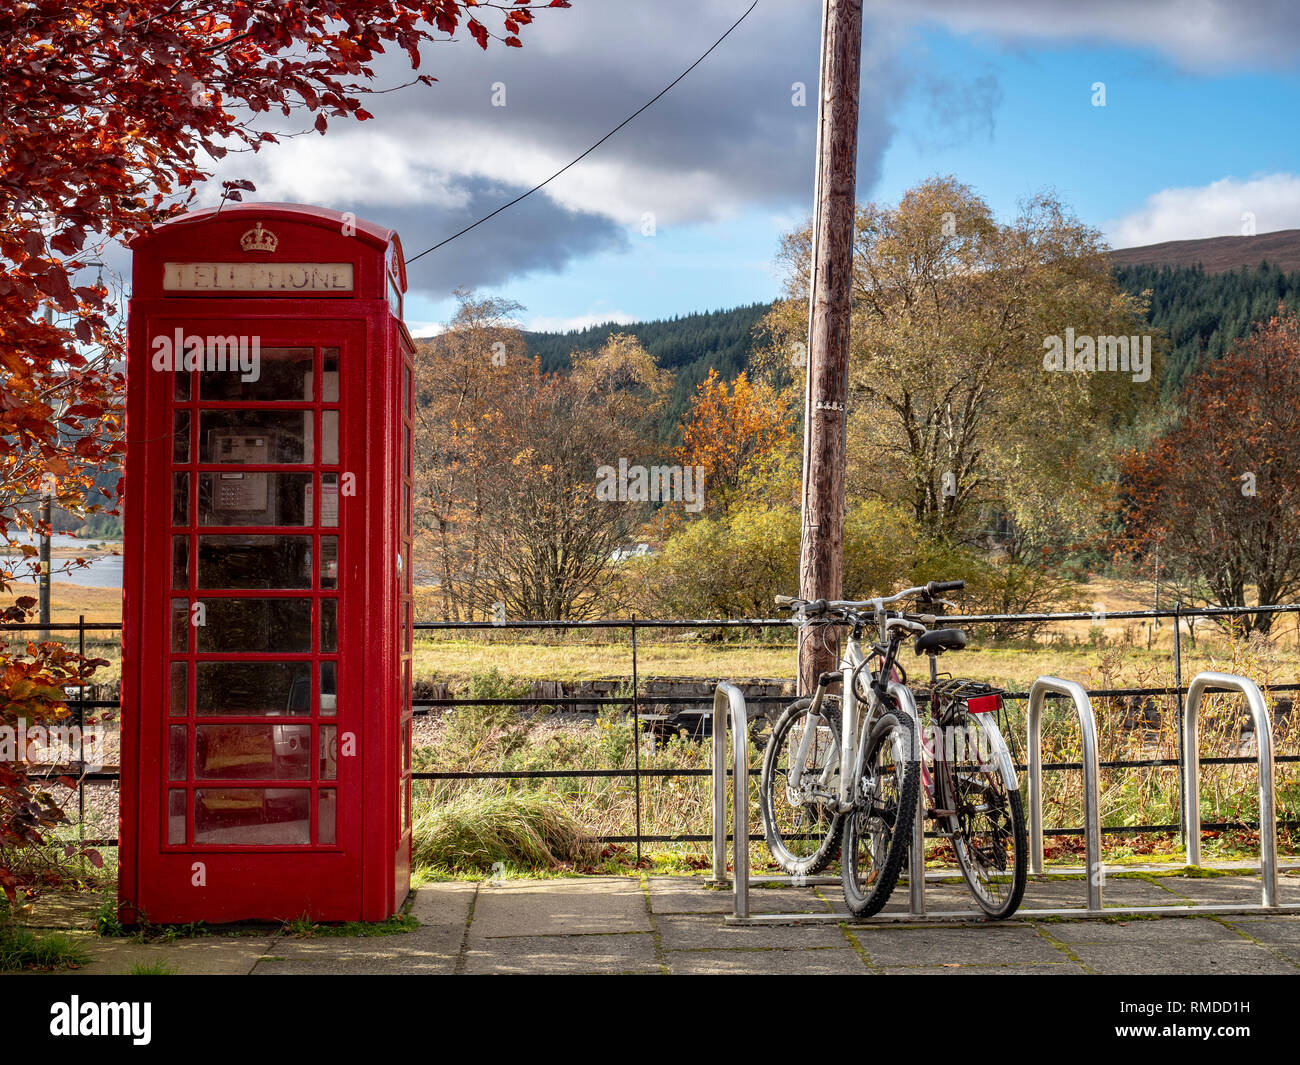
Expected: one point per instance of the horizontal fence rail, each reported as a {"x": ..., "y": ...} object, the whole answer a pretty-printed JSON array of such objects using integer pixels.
[{"x": 636, "y": 699}]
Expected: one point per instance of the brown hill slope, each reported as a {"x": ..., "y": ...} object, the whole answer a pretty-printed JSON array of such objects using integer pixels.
[{"x": 1218, "y": 255}]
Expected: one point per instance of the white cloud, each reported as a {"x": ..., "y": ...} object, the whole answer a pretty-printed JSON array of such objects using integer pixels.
[
  {"x": 354, "y": 164},
  {"x": 426, "y": 329},
  {"x": 1214, "y": 210},
  {"x": 542, "y": 324},
  {"x": 1204, "y": 34}
]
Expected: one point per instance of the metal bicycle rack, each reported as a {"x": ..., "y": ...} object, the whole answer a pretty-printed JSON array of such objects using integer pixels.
[
  {"x": 1091, "y": 787},
  {"x": 729, "y": 708},
  {"x": 1202, "y": 683}
]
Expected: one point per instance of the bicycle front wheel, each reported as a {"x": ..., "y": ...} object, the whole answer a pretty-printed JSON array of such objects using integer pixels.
[
  {"x": 878, "y": 830},
  {"x": 799, "y": 819},
  {"x": 989, "y": 822}
]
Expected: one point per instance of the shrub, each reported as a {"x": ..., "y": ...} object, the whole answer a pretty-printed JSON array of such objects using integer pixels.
[{"x": 473, "y": 831}]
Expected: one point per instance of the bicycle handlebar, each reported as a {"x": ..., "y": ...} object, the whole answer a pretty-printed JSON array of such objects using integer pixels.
[{"x": 818, "y": 606}]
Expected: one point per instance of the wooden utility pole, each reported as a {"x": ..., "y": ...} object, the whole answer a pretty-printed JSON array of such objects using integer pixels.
[{"x": 821, "y": 562}]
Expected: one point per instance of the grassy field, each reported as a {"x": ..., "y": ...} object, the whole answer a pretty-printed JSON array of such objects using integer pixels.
[
  {"x": 559, "y": 816},
  {"x": 1116, "y": 653}
]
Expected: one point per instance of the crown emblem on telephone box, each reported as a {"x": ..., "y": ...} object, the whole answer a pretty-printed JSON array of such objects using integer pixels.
[{"x": 259, "y": 239}]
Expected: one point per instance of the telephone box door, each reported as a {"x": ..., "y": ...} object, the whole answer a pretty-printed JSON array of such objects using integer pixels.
[{"x": 264, "y": 576}]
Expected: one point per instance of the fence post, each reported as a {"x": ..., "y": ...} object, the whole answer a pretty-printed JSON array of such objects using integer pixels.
[
  {"x": 81, "y": 743},
  {"x": 636, "y": 741},
  {"x": 1178, "y": 714}
]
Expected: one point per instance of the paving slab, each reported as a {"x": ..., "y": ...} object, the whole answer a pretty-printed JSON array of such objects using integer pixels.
[
  {"x": 1072, "y": 894},
  {"x": 828, "y": 962},
  {"x": 405, "y": 952},
  {"x": 1228, "y": 889},
  {"x": 200, "y": 956},
  {"x": 563, "y": 955},
  {"x": 706, "y": 931},
  {"x": 985, "y": 944},
  {"x": 1143, "y": 931},
  {"x": 443, "y": 912},
  {"x": 1282, "y": 934},
  {"x": 61, "y": 909},
  {"x": 1064, "y": 968},
  {"x": 676, "y": 896},
  {"x": 1166, "y": 957},
  {"x": 560, "y": 907}
]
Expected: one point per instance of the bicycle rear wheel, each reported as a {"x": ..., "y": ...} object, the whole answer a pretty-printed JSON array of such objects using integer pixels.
[
  {"x": 989, "y": 822},
  {"x": 878, "y": 830},
  {"x": 799, "y": 819}
]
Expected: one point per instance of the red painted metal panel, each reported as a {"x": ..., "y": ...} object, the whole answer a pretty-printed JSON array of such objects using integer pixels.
[{"x": 267, "y": 512}]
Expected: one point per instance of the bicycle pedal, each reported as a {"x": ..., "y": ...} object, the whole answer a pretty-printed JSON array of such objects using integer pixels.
[{"x": 941, "y": 813}]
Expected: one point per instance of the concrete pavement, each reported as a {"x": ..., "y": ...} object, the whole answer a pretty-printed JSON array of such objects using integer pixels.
[{"x": 656, "y": 925}]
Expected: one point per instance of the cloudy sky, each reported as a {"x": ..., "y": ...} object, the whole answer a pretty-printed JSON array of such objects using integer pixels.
[{"x": 683, "y": 210}]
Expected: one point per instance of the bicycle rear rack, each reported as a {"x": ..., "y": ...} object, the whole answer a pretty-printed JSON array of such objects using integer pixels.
[{"x": 729, "y": 708}]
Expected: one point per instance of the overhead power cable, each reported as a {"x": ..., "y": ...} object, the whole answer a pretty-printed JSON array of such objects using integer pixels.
[{"x": 658, "y": 96}]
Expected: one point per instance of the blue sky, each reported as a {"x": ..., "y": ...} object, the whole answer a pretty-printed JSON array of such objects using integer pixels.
[{"x": 1197, "y": 129}]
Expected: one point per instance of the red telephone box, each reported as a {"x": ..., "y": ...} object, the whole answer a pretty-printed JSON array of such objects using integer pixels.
[{"x": 266, "y": 655}]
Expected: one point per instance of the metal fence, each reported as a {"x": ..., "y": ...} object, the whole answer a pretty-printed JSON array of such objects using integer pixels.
[{"x": 635, "y": 700}]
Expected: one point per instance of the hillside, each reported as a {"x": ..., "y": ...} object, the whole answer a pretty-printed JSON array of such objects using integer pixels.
[
  {"x": 1217, "y": 255},
  {"x": 688, "y": 344},
  {"x": 1201, "y": 310},
  {"x": 1203, "y": 313}
]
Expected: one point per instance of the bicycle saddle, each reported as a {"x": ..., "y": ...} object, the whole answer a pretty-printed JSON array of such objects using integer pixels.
[{"x": 936, "y": 641}]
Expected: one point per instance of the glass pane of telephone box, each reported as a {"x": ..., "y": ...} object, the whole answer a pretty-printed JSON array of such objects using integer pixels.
[
  {"x": 329, "y": 752},
  {"x": 327, "y": 813},
  {"x": 180, "y": 499},
  {"x": 329, "y": 433},
  {"x": 180, "y": 562},
  {"x": 179, "y": 685},
  {"x": 329, "y": 561},
  {"x": 256, "y": 626},
  {"x": 329, "y": 625},
  {"x": 267, "y": 816},
  {"x": 256, "y": 374},
  {"x": 238, "y": 498},
  {"x": 329, "y": 390},
  {"x": 255, "y": 437},
  {"x": 253, "y": 689},
  {"x": 181, "y": 439},
  {"x": 329, "y": 698},
  {"x": 177, "y": 751},
  {"x": 252, "y": 752},
  {"x": 176, "y": 816},
  {"x": 180, "y": 626},
  {"x": 255, "y": 560}
]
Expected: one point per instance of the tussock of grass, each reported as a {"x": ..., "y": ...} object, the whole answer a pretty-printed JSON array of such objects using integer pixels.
[
  {"x": 152, "y": 968},
  {"x": 476, "y": 831},
  {"x": 21, "y": 948}
]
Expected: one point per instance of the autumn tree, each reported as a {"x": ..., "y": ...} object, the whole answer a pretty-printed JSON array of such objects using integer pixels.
[
  {"x": 111, "y": 112},
  {"x": 952, "y": 411},
  {"x": 1219, "y": 491},
  {"x": 728, "y": 427},
  {"x": 472, "y": 381},
  {"x": 550, "y": 534}
]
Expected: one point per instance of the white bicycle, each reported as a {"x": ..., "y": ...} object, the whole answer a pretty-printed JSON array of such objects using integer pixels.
[{"x": 846, "y": 772}]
